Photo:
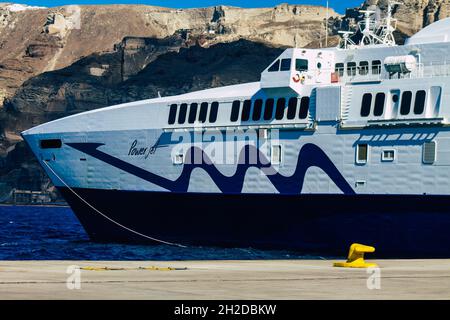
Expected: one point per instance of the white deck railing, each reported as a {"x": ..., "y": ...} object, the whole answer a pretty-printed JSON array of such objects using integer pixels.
[{"x": 429, "y": 70}]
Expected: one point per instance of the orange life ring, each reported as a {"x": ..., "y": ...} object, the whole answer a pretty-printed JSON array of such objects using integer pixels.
[{"x": 296, "y": 78}]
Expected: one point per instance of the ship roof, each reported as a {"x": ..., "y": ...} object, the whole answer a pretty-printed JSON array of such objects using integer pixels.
[{"x": 438, "y": 31}]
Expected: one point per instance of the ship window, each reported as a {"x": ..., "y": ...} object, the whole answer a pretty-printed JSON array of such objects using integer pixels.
[
  {"x": 235, "y": 110},
  {"x": 419, "y": 103},
  {"x": 279, "y": 111},
  {"x": 351, "y": 68},
  {"x": 405, "y": 105},
  {"x": 304, "y": 107},
  {"x": 178, "y": 159},
  {"x": 363, "y": 68},
  {"x": 246, "y": 110},
  {"x": 376, "y": 67},
  {"x": 379, "y": 104},
  {"x": 292, "y": 108},
  {"x": 182, "y": 115},
  {"x": 193, "y": 112},
  {"x": 203, "y": 112},
  {"x": 339, "y": 69},
  {"x": 429, "y": 152},
  {"x": 213, "y": 112},
  {"x": 257, "y": 109},
  {"x": 275, "y": 155},
  {"x": 275, "y": 66},
  {"x": 362, "y": 153},
  {"x": 172, "y": 113},
  {"x": 366, "y": 104},
  {"x": 268, "y": 110},
  {"x": 51, "y": 144},
  {"x": 301, "y": 65},
  {"x": 285, "y": 65},
  {"x": 388, "y": 155}
]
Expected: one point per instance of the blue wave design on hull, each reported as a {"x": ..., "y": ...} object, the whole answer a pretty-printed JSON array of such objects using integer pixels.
[{"x": 310, "y": 156}]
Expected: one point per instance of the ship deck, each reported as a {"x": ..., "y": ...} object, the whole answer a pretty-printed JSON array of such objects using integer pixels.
[{"x": 260, "y": 279}]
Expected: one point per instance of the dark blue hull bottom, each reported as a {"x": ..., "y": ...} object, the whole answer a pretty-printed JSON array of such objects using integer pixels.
[{"x": 398, "y": 226}]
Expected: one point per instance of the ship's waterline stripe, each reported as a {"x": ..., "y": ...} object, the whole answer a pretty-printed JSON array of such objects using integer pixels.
[
  {"x": 107, "y": 217},
  {"x": 310, "y": 156}
]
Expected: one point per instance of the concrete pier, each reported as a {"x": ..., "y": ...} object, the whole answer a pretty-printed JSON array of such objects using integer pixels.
[{"x": 262, "y": 279}]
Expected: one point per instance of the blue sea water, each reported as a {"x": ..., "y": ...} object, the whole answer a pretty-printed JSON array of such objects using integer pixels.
[{"x": 54, "y": 233}]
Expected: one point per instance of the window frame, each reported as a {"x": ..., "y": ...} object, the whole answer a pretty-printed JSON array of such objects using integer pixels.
[
  {"x": 272, "y": 66},
  {"x": 303, "y": 67},
  {"x": 363, "y": 105},
  {"x": 351, "y": 70},
  {"x": 304, "y": 106},
  {"x": 257, "y": 105},
  {"x": 402, "y": 102},
  {"x": 424, "y": 102},
  {"x": 376, "y": 65},
  {"x": 173, "y": 110},
  {"x": 292, "y": 108},
  {"x": 272, "y": 105},
  {"x": 339, "y": 68},
  {"x": 235, "y": 110},
  {"x": 246, "y": 110},
  {"x": 379, "y": 102},
  {"x": 357, "y": 159},
  {"x": 203, "y": 113},
  {"x": 285, "y": 63},
  {"x": 387, "y": 159},
  {"x": 213, "y": 112},
  {"x": 182, "y": 113},
  {"x": 193, "y": 112},
  {"x": 279, "y": 108}
]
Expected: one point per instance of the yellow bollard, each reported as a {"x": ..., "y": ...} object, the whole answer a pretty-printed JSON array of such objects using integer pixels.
[{"x": 356, "y": 257}]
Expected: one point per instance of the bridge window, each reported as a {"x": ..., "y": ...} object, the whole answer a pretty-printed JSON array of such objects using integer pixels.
[
  {"x": 213, "y": 112},
  {"x": 182, "y": 115},
  {"x": 268, "y": 110},
  {"x": 362, "y": 153},
  {"x": 379, "y": 104},
  {"x": 245, "y": 116},
  {"x": 172, "y": 113},
  {"x": 257, "y": 109},
  {"x": 275, "y": 66},
  {"x": 351, "y": 69},
  {"x": 285, "y": 65},
  {"x": 279, "y": 111},
  {"x": 366, "y": 104},
  {"x": 363, "y": 68},
  {"x": 405, "y": 105},
  {"x": 235, "y": 107},
  {"x": 203, "y": 112},
  {"x": 419, "y": 103},
  {"x": 301, "y": 65},
  {"x": 304, "y": 107},
  {"x": 292, "y": 108},
  {"x": 193, "y": 112},
  {"x": 339, "y": 69},
  {"x": 376, "y": 67}
]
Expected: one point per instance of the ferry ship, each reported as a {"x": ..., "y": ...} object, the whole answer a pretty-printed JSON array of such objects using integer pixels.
[{"x": 332, "y": 146}]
